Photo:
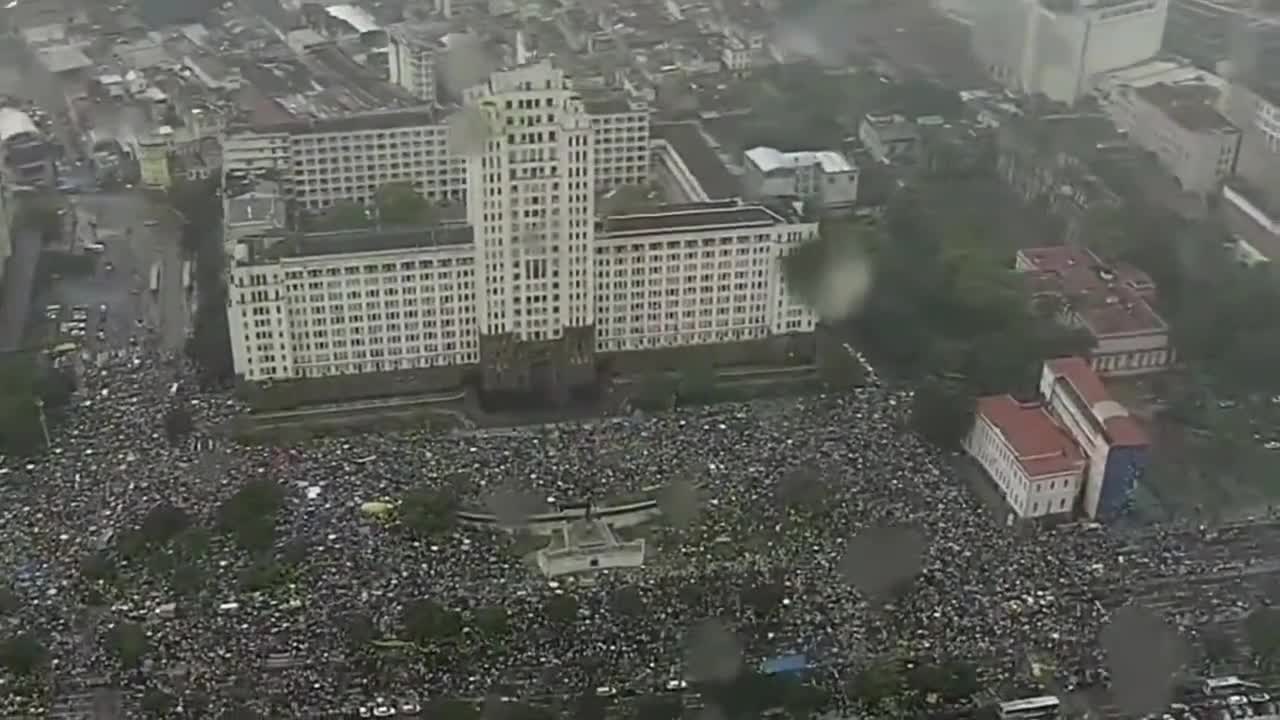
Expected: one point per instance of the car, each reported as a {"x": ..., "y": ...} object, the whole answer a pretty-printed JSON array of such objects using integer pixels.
[
  {"x": 364, "y": 711},
  {"x": 383, "y": 711},
  {"x": 676, "y": 685},
  {"x": 102, "y": 336},
  {"x": 102, "y": 310},
  {"x": 150, "y": 223},
  {"x": 1272, "y": 445},
  {"x": 108, "y": 266},
  {"x": 410, "y": 708},
  {"x": 605, "y": 691}
]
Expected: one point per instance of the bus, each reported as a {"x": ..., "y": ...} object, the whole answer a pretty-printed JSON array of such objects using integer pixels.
[
  {"x": 155, "y": 277},
  {"x": 1045, "y": 707},
  {"x": 186, "y": 275},
  {"x": 1227, "y": 685}
]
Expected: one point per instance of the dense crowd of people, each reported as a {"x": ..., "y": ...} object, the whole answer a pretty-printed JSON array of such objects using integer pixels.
[{"x": 791, "y": 525}]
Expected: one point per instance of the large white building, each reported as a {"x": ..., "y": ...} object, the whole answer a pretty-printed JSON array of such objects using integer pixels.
[
  {"x": 1056, "y": 47},
  {"x": 322, "y": 162},
  {"x": 532, "y": 287},
  {"x": 825, "y": 177},
  {"x": 411, "y": 58}
]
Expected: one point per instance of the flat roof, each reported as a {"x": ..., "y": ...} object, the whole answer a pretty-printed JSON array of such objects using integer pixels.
[
  {"x": 1109, "y": 298},
  {"x": 64, "y": 58},
  {"x": 691, "y": 145},
  {"x": 1121, "y": 427},
  {"x": 679, "y": 218},
  {"x": 1039, "y": 445},
  {"x": 266, "y": 248},
  {"x": 769, "y": 159},
  {"x": 1190, "y": 106},
  {"x": 357, "y": 17},
  {"x": 252, "y": 208},
  {"x": 373, "y": 120}
]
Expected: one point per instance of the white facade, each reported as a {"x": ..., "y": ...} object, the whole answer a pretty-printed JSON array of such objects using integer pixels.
[
  {"x": 1035, "y": 482},
  {"x": 1182, "y": 127},
  {"x": 709, "y": 274},
  {"x": 531, "y": 201},
  {"x": 621, "y": 138},
  {"x": 344, "y": 303},
  {"x": 411, "y": 61},
  {"x": 826, "y": 177},
  {"x": 1055, "y": 47}
]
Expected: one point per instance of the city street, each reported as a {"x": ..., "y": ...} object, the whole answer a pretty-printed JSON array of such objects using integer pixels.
[{"x": 121, "y": 280}]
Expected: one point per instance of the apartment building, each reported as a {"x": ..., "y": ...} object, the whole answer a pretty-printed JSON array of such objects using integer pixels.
[
  {"x": 1181, "y": 125},
  {"x": 824, "y": 177},
  {"x": 531, "y": 287},
  {"x": 1055, "y": 47},
  {"x": 411, "y": 58},
  {"x": 1241, "y": 33},
  {"x": 361, "y": 301},
  {"x": 697, "y": 274},
  {"x": 321, "y": 162}
]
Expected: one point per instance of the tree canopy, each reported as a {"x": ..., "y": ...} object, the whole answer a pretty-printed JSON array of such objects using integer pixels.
[{"x": 397, "y": 203}]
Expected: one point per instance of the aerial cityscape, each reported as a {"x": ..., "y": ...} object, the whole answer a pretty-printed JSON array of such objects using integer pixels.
[{"x": 640, "y": 359}]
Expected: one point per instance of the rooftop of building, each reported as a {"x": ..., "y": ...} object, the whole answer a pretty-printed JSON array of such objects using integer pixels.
[
  {"x": 691, "y": 144},
  {"x": 688, "y": 217},
  {"x": 1150, "y": 72},
  {"x": 252, "y": 208},
  {"x": 1110, "y": 299},
  {"x": 1188, "y": 105},
  {"x": 376, "y": 120},
  {"x": 770, "y": 159},
  {"x": 284, "y": 245},
  {"x": 1039, "y": 445},
  {"x": 1121, "y": 427}
]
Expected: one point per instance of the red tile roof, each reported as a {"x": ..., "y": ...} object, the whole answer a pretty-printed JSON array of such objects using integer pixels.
[
  {"x": 1110, "y": 299},
  {"x": 1122, "y": 429},
  {"x": 1040, "y": 445}
]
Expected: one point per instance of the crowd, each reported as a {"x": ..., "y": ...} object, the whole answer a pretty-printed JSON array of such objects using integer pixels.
[{"x": 786, "y": 494}]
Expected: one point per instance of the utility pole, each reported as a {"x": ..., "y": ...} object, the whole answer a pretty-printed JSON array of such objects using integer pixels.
[{"x": 44, "y": 426}]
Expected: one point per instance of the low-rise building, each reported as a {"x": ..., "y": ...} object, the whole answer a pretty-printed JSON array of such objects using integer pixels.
[
  {"x": 1110, "y": 302},
  {"x": 890, "y": 139},
  {"x": 1113, "y": 441},
  {"x": 1181, "y": 125},
  {"x": 1030, "y": 458},
  {"x": 824, "y": 177},
  {"x": 25, "y": 156}
]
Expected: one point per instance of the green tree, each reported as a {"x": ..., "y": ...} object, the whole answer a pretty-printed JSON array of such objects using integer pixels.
[
  {"x": 428, "y": 512},
  {"x": 157, "y": 703},
  {"x": 129, "y": 643},
  {"x": 345, "y": 215},
  {"x": 628, "y": 601},
  {"x": 427, "y": 622},
  {"x": 178, "y": 423},
  {"x": 452, "y": 709},
  {"x": 562, "y": 609},
  {"x": 162, "y": 523},
  {"x": 262, "y": 574},
  {"x": 23, "y": 654},
  {"x": 9, "y": 601},
  {"x": 875, "y": 684},
  {"x": 653, "y": 392},
  {"x": 358, "y": 630},
  {"x": 399, "y": 204},
  {"x": 697, "y": 384},
  {"x": 942, "y": 412},
  {"x": 1262, "y": 629},
  {"x": 493, "y": 620}
]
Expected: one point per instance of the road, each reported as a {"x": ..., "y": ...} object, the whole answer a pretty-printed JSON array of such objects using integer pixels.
[
  {"x": 134, "y": 313},
  {"x": 19, "y": 279}
]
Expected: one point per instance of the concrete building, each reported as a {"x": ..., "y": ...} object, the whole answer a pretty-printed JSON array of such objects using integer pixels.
[
  {"x": 411, "y": 58},
  {"x": 890, "y": 139},
  {"x": 1030, "y": 458},
  {"x": 1181, "y": 125},
  {"x": 314, "y": 305},
  {"x": 825, "y": 178},
  {"x": 531, "y": 288},
  {"x": 1114, "y": 443},
  {"x": 1110, "y": 302},
  {"x": 1217, "y": 34},
  {"x": 1255, "y": 109},
  {"x": 1055, "y": 47},
  {"x": 699, "y": 274},
  {"x": 25, "y": 156},
  {"x": 531, "y": 201},
  {"x": 620, "y": 133},
  {"x": 322, "y": 162}
]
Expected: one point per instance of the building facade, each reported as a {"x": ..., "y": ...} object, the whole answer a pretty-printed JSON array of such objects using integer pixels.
[
  {"x": 1255, "y": 109},
  {"x": 1030, "y": 458},
  {"x": 1213, "y": 32},
  {"x": 1109, "y": 301},
  {"x": 1113, "y": 442},
  {"x": 620, "y": 134},
  {"x": 25, "y": 156},
  {"x": 1181, "y": 125},
  {"x": 824, "y": 177},
  {"x": 1055, "y": 47},
  {"x": 411, "y": 59}
]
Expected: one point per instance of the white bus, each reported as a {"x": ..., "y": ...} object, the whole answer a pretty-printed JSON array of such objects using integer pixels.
[
  {"x": 155, "y": 277},
  {"x": 1227, "y": 685},
  {"x": 1046, "y": 707}
]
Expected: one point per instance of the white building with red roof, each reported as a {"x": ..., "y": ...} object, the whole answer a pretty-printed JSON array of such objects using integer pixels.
[
  {"x": 1114, "y": 442},
  {"x": 1034, "y": 462},
  {"x": 1110, "y": 301}
]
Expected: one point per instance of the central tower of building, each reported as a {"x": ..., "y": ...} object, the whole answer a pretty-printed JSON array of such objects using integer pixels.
[{"x": 531, "y": 203}]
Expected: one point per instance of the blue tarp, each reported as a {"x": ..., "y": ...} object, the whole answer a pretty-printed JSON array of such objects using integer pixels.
[{"x": 785, "y": 664}]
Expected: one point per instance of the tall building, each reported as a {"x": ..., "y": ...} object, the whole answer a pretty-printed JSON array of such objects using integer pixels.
[
  {"x": 1056, "y": 47},
  {"x": 531, "y": 202},
  {"x": 1212, "y": 32},
  {"x": 411, "y": 58},
  {"x": 532, "y": 288}
]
